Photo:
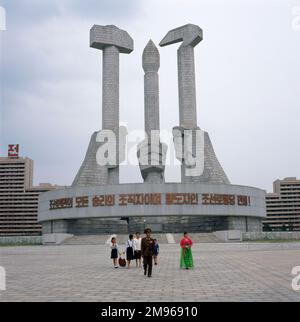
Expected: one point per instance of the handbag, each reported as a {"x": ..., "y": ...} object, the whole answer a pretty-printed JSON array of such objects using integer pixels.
[{"x": 122, "y": 262}]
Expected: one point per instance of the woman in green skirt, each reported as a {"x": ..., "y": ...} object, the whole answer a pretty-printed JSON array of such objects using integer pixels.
[{"x": 186, "y": 257}]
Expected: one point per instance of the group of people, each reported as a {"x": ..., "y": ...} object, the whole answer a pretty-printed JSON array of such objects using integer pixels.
[
  {"x": 147, "y": 248},
  {"x": 137, "y": 248}
]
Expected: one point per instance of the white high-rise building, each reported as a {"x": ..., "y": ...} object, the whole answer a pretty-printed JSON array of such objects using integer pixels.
[
  {"x": 18, "y": 197},
  {"x": 283, "y": 205}
]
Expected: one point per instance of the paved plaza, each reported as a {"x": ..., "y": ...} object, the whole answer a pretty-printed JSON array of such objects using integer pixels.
[{"x": 223, "y": 272}]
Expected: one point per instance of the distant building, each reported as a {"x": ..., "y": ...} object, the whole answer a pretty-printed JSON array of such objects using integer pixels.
[
  {"x": 18, "y": 196},
  {"x": 283, "y": 206}
]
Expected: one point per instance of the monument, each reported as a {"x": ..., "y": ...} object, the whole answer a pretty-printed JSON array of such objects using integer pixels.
[
  {"x": 112, "y": 41},
  {"x": 190, "y": 36},
  {"x": 204, "y": 201},
  {"x": 151, "y": 148}
]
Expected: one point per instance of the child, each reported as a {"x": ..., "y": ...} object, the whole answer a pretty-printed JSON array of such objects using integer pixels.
[
  {"x": 156, "y": 251},
  {"x": 137, "y": 249},
  {"x": 114, "y": 252},
  {"x": 129, "y": 250}
]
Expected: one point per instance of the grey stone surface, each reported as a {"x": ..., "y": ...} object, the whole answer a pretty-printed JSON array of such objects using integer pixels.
[
  {"x": 153, "y": 172},
  {"x": 112, "y": 41},
  {"x": 213, "y": 171},
  {"x": 151, "y": 64},
  {"x": 229, "y": 235},
  {"x": 190, "y": 35},
  {"x": 104, "y": 36},
  {"x": 223, "y": 272},
  {"x": 55, "y": 239},
  {"x": 256, "y": 209},
  {"x": 110, "y": 88},
  {"x": 90, "y": 172}
]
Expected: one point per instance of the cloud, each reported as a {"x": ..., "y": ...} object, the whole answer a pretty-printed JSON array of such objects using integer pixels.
[
  {"x": 51, "y": 82},
  {"x": 29, "y": 11},
  {"x": 34, "y": 11}
]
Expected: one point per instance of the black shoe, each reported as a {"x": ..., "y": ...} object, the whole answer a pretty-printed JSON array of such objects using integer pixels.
[
  {"x": 145, "y": 272},
  {"x": 149, "y": 276},
  {"x": 155, "y": 264},
  {"x": 186, "y": 268}
]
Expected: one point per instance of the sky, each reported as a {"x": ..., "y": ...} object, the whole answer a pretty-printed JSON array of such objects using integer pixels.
[{"x": 247, "y": 79}]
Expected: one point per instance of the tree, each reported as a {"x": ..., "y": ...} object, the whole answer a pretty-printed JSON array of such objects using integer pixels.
[{"x": 267, "y": 227}]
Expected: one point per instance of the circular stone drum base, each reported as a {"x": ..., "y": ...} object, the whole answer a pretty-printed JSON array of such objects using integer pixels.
[{"x": 169, "y": 207}]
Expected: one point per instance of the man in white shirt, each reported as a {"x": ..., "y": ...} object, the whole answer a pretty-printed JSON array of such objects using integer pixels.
[{"x": 137, "y": 249}]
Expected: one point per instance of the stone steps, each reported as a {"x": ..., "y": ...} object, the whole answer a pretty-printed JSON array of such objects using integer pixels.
[
  {"x": 87, "y": 240},
  {"x": 197, "y": 238}
]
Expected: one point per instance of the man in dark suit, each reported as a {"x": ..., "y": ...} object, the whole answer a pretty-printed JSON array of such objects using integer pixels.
[{"x": 147, "y": 248}]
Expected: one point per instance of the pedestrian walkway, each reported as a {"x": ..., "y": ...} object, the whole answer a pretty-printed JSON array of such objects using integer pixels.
[{"x": 223, "y": 272}]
